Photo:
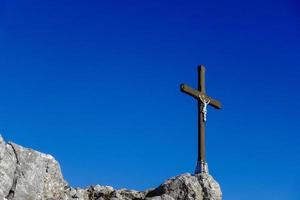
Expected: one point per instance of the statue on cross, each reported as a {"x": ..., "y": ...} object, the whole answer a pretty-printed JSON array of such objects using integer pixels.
[{"x": 203, "y": 101}]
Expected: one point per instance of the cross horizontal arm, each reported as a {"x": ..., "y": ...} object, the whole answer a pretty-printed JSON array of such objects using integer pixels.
[
  {"x": 195, "y": 93},
  {"x": 190, "y": 91}
]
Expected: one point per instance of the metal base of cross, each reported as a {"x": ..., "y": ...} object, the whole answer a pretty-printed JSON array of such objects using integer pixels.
[{"x": 201, "y": 167}]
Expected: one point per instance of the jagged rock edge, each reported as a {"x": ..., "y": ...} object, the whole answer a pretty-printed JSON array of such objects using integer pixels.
[{"x": 182, "y": 188}]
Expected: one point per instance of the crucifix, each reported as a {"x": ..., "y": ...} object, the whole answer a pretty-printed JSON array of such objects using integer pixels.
[{"x": 203, "y": 101}]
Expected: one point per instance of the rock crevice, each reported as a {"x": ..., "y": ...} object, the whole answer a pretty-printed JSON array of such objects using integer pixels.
[
  {"x": 11, "y": 192},
  {"x": 26, "y": 174}
]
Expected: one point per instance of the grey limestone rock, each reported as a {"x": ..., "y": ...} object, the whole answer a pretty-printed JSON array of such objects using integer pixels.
[
  {"x": 26, "y": 174},
  {"x": 187, "y": 187}
]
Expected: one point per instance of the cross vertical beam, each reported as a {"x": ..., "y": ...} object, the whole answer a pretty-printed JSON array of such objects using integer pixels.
[{"x": 201, "y": 122}]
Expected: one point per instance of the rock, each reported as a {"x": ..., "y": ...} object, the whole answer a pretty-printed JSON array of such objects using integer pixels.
[
  {"x": 187, "y": 187},
  {"x": 26, "y": 174},
  {"x": 8, "y": 169},
  {"x": 29, "y": 175},
  {"x": 211, "y": 188}
]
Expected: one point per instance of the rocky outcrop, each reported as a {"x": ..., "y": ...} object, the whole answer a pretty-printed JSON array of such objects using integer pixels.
[{"x": 26, "y": 174}]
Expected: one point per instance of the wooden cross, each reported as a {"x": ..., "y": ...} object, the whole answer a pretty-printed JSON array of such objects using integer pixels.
[{"x": 203, "y": 100}]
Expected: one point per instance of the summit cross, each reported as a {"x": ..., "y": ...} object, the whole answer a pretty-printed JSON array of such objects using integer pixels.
[{"x": 203, "y": 100}]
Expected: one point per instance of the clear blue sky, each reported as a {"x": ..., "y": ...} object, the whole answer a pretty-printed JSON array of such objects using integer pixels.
[{"x": 96, "y": 84}]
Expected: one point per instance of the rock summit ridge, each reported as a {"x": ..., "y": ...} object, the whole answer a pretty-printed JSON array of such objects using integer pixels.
[{"x": 26, "y": 174}]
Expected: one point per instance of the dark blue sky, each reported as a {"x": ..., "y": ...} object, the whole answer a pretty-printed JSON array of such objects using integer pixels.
[{"x": 96, "y": 84}]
